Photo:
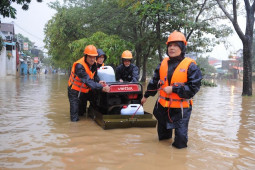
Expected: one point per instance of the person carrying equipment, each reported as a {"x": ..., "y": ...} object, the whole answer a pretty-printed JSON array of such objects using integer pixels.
[{"x": 82, "y": 81}]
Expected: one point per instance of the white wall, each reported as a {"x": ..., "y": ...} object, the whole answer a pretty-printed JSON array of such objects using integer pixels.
[
  {"x": 3, "y": 62},
  {"x": 11, "y": 64},
  {"x": 7, "y": 66}
]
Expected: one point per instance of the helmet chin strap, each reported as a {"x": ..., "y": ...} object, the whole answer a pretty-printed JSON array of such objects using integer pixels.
[{"x": 85, "y": 59}]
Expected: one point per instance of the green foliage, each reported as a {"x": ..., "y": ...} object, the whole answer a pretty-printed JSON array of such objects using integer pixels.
[
  {"x": 65, "y": 27},
  {"x": 205, "y": 67},
  {"x": 195, "y": 18},
  {"x": 23, "y": 39},
  {"x": 112, "y": 45},
  {"x": 145, "y": 24},
  {"x": 6, "y": 9},
  {"x": 152, "y": 65},
  {"x": 208, "y": 83},
  {"x": 47, "y": 61}
]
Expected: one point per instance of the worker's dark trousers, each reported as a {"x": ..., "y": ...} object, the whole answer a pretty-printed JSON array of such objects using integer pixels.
[
  {"x": 165, "y": 125},
  {"x": 78, "y": 105}
]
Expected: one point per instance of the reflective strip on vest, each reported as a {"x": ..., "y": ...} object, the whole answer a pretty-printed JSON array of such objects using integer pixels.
[
  {"x": 75, "y": 81},
  {"x": 179, "y": 78}
]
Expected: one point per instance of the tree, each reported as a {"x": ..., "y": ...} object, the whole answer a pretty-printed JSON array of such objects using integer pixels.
[
  {"x": 47, "y": 61},
  {"x": 145, "y": 24},
  {"x": 246, "y": 38},
  {"x": 32, "y": 51},
  {"x": 6, "y": 9},
  {"x": 65, "y": 27},
  {"x": 195, "y": 18},
  {"x": 112, "y": 45},
  {"x": 72, "y": 22},
  {"x": 253, "y": 53},
  {"x": 22, "y": 39},
  {"x": 205, "y": 67}
]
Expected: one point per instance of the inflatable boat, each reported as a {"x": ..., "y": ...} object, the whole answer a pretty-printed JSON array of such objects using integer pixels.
[{"x": 121, "y": 107}]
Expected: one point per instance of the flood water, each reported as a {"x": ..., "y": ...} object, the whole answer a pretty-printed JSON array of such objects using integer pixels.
[{"x": 36, "y": 132}]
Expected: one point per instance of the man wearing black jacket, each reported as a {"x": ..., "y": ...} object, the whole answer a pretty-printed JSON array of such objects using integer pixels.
[
  {"x": 178, "y": 79},
  {"x": 82, "y": 82},
  {"x": 127, "y": 71}
]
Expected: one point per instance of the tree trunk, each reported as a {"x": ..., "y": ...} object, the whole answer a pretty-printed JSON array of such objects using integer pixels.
[
  {"x": 247, "y": 51},
  {"x": 138, "y": 50},
  {"x": 145, "y": 59},
  {"x": 247, "y": 40},
  {"x": 158, "y": 39},
  {"x": 143, "y": 79},
  {"x": 247, "y": 65}
]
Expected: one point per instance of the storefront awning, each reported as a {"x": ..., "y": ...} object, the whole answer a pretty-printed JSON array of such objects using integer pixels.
[{"x": 8, "y": 43}]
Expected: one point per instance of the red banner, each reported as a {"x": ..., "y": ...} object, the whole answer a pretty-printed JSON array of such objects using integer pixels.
[{"x": 36, "y": 60}]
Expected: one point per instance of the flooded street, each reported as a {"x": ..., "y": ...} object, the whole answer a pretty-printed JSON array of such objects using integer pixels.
[{"x": 36, "y": 132}]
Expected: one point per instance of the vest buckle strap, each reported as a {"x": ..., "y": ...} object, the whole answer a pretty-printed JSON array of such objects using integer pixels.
[
  {"x": 73, "y": 78},
  {"x": 171, "y": 99},
  {"x": 178, "y": 84},
  {"x": 82, "y": 87}
]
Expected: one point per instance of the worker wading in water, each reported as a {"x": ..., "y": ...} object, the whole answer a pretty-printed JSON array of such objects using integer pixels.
[
  {"x": 82, "y": 81},
  {"x": 178, "y": 79}
]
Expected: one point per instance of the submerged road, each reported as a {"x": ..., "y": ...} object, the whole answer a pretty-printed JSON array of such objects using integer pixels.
[{"x": 36, "y": 132}]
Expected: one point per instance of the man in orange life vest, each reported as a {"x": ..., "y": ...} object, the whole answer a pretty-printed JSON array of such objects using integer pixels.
[
  {"x": 82, "y": 81},
  {"x": 101, "y": 58},
  {"x": 178, "y": 79}
]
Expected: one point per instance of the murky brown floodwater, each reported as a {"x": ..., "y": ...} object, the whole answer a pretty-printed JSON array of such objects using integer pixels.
[{"x": 36, "y": 132}]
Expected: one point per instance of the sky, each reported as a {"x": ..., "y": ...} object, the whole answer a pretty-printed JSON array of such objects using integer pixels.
[
  {"x": 234, "y": 43},
  {"x": 31, "y": 24}
]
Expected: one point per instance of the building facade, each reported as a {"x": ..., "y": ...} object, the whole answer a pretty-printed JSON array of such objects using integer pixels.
[{"x": 9, "y": 54}]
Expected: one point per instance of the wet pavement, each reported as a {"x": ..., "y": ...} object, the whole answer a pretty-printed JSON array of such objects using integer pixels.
[{"x": 36, "y": 132}]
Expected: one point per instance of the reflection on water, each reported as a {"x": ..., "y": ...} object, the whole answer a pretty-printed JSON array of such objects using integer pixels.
[{"x": 36, "y": 133}]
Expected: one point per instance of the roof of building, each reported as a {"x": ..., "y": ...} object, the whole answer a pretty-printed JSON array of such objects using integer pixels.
[
  {"x": 7, "y": 27},
  {"x": 214, "y": 61}
]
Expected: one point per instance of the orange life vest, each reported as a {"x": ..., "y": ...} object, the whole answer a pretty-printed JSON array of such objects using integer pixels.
[
  {"x": 179, "y": 78},
  {"x": 75, "y": 81}
]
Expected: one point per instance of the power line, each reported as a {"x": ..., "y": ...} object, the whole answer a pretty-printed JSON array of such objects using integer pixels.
[{"x": 28, "y": 32}]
